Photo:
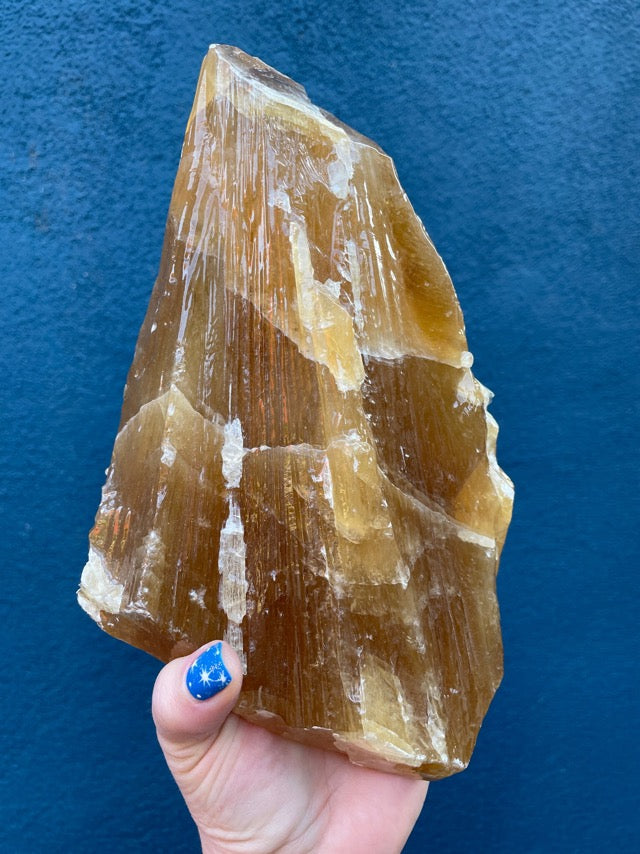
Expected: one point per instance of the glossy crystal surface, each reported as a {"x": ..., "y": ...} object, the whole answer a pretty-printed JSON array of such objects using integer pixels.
[{"x": 305, "y": 464}]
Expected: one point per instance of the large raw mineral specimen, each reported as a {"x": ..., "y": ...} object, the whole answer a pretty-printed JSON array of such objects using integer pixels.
[{"x": 305, "y": 465}]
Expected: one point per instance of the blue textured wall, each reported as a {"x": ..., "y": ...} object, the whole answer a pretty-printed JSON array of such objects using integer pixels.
[{"x": 514, "y": 127}]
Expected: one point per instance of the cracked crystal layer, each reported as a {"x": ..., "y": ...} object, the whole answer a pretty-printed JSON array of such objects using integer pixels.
[{"x": 305, "y": 464}]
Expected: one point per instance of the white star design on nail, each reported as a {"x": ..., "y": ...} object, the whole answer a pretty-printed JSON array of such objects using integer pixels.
[{"x": 205, "y": 676}]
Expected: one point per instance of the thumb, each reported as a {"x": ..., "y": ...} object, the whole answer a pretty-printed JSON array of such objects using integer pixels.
[{"x": 194, "y": 695}]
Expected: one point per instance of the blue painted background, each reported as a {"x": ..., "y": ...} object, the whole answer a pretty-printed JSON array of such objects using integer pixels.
[{"x": 514, "y": 127}]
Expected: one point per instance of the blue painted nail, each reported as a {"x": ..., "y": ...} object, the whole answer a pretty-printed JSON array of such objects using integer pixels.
[{"x": 208, "y": 675}]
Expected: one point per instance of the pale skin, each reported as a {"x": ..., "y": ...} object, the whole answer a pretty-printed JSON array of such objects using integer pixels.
[{"x": 251, "y": 792}]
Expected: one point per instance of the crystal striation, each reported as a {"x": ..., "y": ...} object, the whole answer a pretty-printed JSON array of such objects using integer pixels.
[{"x": 305, "y": 464}]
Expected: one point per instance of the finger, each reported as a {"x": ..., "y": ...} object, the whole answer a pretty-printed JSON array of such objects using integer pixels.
[{"x": 193, "y": 696}]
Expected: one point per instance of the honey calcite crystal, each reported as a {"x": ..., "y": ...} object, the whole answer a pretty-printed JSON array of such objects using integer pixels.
[{"x": 305, "y": 465}]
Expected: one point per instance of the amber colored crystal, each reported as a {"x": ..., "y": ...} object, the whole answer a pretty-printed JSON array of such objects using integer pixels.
[{"x": 305, "y": 464}]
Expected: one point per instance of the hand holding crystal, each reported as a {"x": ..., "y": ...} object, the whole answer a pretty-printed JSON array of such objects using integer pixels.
[{"x": 250, "y": 791}]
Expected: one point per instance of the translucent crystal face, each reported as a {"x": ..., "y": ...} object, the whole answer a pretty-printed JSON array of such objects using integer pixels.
[{"x": 305, "y": 464}]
